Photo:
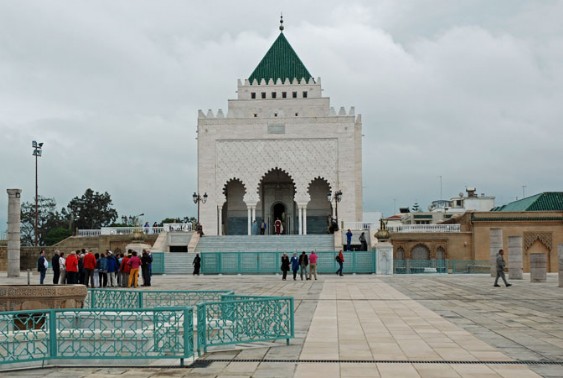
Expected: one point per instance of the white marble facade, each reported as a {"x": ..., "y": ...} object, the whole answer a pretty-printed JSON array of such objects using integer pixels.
[{"x": 278, "y": 149}]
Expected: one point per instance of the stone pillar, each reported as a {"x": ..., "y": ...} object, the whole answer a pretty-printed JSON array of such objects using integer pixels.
[
  {"x": 305, "y": 220},
  {"x": 560, "y": 253},
  {"x": 384, "y": 258},
  {"x": 220, "y": 223},
  {"x": 253, "y": 213},
  {"x": 249, "y": 222},
  {"x": 515, "y": 263},
  {"x": 14, "y": 219},
  {"x": 538, "y": 267},
  {"x": 300, "y": 216},
  {"x": 496, "y": 244}
]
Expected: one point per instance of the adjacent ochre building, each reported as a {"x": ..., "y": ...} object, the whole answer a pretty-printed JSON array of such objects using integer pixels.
[{"x": 277, "y": 152}]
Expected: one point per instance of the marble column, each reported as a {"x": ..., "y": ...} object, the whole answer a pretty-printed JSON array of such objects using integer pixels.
[
  {"x": 515, "y": 263},
  {"x": 220, "y": 222},
  {"x": 496, "y": 244},
  {"x": 249, "y": 222},
  {"x": 300, "y": 216},
  {"x": 305, "y": 220},
  {"x": 560, "y": 253},
  {"x": 538, "y": 267},
  {"x": 14, "y": 219}
]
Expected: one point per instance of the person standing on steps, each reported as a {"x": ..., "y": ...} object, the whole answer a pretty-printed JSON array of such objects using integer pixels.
[{"x": 500, "y": 269}]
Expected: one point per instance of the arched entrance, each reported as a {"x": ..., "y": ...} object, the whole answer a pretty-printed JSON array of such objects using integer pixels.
[
  {"x": 319, "y": 209},
  {"x": 234, "y": 210},
  {"x": 277, "y": 200},
  {"x": 278, "y": 212}
]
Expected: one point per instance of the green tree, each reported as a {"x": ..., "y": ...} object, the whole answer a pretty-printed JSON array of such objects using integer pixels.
[
  {"x": 48, "y": 218},
  {"x": 57, "y": 234},
  {"x": 92, "y": 211}
]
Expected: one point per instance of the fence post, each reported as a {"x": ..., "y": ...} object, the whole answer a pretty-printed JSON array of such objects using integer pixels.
[
  {"x": 52, "y": 333},
  {"x": 92, "y": 298},
  {"x": 140, "y": 298}
]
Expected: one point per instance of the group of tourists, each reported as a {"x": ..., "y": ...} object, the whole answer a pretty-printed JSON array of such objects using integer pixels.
[
  {"x": 306, "y": 265},
  {"x": 104, "y": 269}
]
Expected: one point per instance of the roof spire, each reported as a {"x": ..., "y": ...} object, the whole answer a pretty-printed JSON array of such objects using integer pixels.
[{"x": 281, "y": 23}]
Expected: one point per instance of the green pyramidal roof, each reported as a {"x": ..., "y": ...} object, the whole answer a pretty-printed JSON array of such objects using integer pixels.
[
  {"x": 280, "y": 62},
  {"x": 547, "y": 201}
]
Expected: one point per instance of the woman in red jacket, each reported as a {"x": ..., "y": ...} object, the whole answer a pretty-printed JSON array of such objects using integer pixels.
[{"x": 72, "y": 268}]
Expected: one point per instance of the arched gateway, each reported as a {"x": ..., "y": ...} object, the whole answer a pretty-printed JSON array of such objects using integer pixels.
[{"x": 277, "y": 153}]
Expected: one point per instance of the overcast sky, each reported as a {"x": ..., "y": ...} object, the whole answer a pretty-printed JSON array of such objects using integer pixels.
[{"x": 469, "y": 91}]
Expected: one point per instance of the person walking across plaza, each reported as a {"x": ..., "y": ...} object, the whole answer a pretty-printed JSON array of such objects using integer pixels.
[
  {"x": 349, "y": 240},
  {"x": 284, "y": 266},
  {"x": 313, "y": 257},
  {"x": 304, "y": 264},
  {"x": 500, "y": 269},
  {"x": 55, "y": 265},
  {"x": 146, "y": 261},
  {"x": 42, "y": 266},
  {"x": 340, "y": 261},
  {"x": 294, "y": 265}
]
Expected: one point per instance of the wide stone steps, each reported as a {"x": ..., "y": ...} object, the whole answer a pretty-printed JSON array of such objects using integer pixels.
[
  {"x": 178, "y": 263},
  {"x": 265, "y": 243}
]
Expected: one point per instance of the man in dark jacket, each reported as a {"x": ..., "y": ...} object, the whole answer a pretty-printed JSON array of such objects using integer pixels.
[
  {"x": 304, "y": 263},
  {"x": 56, "y": 267},
  {"x": 42, "y": 267},
  {"x": 146, "y": 261}
]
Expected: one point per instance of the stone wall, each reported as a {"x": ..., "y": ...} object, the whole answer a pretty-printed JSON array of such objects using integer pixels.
[{"x": 29, "y": 255}]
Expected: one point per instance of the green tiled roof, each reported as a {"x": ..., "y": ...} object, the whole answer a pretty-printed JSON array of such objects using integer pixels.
[
  {"x": 547, "y": 201},
  {"x": 280, "y": 62}
]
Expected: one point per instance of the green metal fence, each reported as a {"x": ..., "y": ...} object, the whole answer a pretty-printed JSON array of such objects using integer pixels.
[
  {"x": 111, "y": 298},
  {"x": 246, "y": 319},
  {"x": 42, "y": 335},
  {"x": 157, "y": 266},
  {"x": 441, "y": 266},
  {"x": 270, "y": 262}
]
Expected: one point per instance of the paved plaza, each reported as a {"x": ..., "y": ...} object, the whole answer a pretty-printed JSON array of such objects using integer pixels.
[{"x": 380, "y": 326}]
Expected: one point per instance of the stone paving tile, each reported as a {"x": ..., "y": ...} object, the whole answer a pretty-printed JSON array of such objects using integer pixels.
[{"x": 397, "y": 317}]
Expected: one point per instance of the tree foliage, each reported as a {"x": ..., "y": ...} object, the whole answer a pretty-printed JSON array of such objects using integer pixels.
[
  {"x": 48, "y": 218},
  {"x": 92, "y": 211}
]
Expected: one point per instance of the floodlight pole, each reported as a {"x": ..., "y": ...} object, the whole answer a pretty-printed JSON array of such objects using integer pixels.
[{"x": 37, "y": 153}]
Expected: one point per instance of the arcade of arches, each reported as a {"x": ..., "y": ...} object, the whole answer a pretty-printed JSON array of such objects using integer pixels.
[{"x": 276, "y": 192}]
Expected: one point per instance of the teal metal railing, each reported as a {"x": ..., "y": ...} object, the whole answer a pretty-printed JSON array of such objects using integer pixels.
[
  {"x": 246, "y": 319},
  {"x": 111, "y": 298},
  {"x": 41, "y": 335},
  {"x": 441, "y": 266},
  {"x": 157, "y": 266},
  {"x": 270, "y": 262}
]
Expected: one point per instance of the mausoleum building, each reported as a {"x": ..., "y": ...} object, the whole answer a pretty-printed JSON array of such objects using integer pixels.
[{"x": 277, "y": 152}]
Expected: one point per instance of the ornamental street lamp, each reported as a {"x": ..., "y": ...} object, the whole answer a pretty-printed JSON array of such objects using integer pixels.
[
  {"x": 37, "y": 153},
  {"x": 197, "y": 200},
  {"x": 337, "y": 198}
]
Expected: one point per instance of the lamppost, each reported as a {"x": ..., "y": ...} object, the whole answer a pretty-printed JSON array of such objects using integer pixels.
[
  {"x": 37, "y": 153},
  {"x": 337, "y": 197},
  {"x": 197, "y": 200}
]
